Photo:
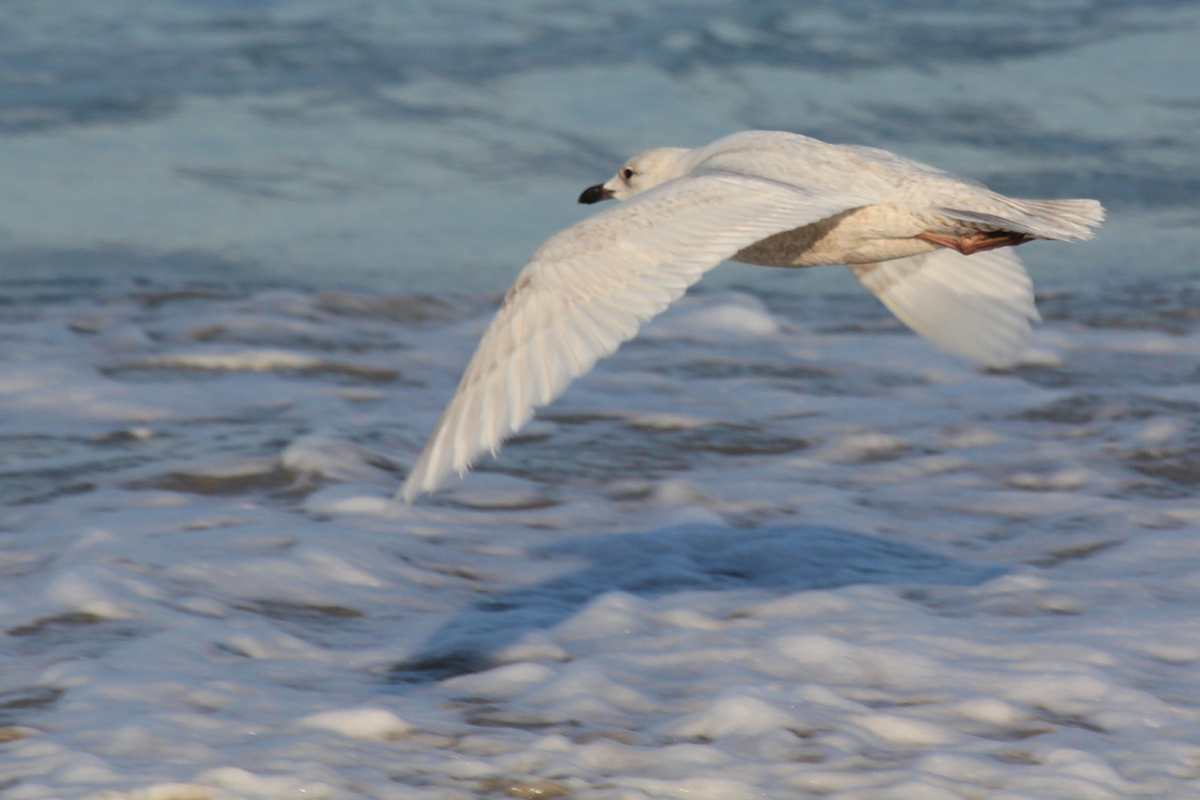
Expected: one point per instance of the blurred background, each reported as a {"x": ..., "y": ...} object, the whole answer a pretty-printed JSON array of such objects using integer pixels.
[{"x": 432, "y": 146}]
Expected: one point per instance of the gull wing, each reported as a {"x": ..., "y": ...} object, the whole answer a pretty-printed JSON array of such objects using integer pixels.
[
  {"x": 979, "y": 306},
  {"x": 590, "y": 287}
]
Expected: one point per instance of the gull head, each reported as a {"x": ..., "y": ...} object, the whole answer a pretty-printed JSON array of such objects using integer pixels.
[{"x": 640, "y": 173}]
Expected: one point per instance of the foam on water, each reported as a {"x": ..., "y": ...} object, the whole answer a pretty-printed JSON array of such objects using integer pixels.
[{"x": 802, "y": 552}]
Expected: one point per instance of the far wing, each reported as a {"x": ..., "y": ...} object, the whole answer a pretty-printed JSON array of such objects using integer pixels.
[
  {"x": 979, "y": 306},
  {"x": 590, "y": 287}
]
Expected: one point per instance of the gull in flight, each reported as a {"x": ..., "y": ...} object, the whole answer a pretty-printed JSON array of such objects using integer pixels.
[{"x": 935, "y": 248}]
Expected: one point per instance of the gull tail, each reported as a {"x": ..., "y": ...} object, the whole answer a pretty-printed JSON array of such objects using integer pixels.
[{"x": 1063, "y": 220}]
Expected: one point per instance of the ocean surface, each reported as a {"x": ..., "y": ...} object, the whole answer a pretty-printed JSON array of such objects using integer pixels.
[
  {"x": 434, "y": 145},
  {"x": 776, "y": 547}
]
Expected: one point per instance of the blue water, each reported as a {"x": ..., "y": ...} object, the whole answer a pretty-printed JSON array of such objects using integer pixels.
[{"x": 433, "y": 146}]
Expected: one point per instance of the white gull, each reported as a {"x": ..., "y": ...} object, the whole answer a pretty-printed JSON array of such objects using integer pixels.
[{"x": 935, "y": 248}]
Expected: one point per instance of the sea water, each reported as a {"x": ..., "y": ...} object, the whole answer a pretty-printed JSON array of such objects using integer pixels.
[{"x": 777, "y": 546}]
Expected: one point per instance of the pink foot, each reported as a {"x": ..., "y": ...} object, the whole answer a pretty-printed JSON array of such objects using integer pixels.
[{"x": 977, "y": 242}]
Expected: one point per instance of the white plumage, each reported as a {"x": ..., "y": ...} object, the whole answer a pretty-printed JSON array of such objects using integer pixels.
[{"x": 760, "y": 197}]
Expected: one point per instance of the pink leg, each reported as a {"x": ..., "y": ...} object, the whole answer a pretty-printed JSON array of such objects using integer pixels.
[{"x": 977, "y": 242}]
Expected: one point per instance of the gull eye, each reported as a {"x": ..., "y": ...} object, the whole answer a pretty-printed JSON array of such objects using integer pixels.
[{"x": 627, "y": 173}]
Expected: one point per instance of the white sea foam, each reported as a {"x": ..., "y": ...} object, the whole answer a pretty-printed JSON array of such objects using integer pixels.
[
  {"x": 359, "y": 723},
  {"x": 879, "y": 573}
]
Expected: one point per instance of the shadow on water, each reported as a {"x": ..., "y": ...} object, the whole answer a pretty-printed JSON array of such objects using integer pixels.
[{"x": 682, "y": 558}]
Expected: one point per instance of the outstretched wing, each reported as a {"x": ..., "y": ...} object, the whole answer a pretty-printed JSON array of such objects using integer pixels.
[
  {"x": 979, "y": 306},
  {"x": 590, "y": 287}
]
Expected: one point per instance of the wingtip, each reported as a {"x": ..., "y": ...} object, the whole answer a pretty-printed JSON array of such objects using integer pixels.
[
  {"x": 420, "y": 481},
  {"x": 406, "y": 494},
  {"x": 416, "y": 483}
]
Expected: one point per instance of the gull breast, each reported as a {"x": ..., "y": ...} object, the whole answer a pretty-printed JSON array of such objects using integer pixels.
[{"x": 858, "y": 236}]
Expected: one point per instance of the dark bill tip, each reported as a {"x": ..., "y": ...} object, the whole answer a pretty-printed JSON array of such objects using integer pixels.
[{"x": 594, "y": 194}]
